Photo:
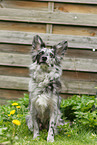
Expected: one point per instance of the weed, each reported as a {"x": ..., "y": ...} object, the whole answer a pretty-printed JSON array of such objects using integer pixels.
[{"x": 14, "y": 131}]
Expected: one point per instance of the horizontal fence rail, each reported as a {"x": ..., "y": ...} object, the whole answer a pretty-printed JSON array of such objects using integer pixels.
[
  {"x": 71, "y": 86},
  {"x": 48, "y": 17},
  {"x": 68, "y": 63},
  {"x": 50, "y": 39},
  {"x": 72, "y": 1}
]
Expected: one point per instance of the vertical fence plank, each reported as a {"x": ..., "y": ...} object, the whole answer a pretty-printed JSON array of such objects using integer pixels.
[{"x": 49, "y": 27}]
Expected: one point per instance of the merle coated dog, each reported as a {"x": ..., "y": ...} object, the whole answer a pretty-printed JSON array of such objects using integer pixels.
[{"x": 44, "y": 87}]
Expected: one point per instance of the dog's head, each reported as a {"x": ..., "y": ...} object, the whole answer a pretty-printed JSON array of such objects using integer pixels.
[{"x": 49, "y": 56}]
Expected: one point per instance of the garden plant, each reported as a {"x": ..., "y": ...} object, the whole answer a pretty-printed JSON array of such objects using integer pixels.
[{"x": 80, "y": 128}]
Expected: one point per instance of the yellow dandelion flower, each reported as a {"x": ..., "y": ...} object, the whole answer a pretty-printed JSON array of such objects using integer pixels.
[
  {"x": 16, "y": 122},
  {"x": 14, "y": 104},
  {"x": 69, "y": 135},
  {"x": 9, "y": 114},
  {"x": 18, "y": 107},
  {"x": 12, "y": 112}
]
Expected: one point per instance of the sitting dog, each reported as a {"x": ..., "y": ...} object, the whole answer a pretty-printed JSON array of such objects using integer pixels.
[{"x": 44, "y": 87}]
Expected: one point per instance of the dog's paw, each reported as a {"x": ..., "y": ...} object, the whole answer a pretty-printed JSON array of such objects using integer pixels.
[
  {"x": 29, "y": 122},
  {"x": 50, "y": 138},
  {"x": 36, "y": 136}
]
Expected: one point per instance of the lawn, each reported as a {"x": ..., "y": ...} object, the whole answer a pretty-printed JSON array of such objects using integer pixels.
[{"x": 14, "y": 131}]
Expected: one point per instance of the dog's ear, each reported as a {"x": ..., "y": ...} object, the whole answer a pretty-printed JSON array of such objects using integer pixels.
[
  {"x": 61, "y": 48},
  {"x": 37, "y": 43}
]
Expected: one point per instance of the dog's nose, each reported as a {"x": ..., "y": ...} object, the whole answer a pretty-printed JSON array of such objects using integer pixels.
[{"x": 44, "y": 58}]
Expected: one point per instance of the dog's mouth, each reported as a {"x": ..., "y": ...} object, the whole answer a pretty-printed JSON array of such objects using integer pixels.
[
  {"x": 44, "y": 66},
  {"x": 43, "y": 63}
]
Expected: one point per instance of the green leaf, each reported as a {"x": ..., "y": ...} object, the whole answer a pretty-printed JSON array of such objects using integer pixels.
[{"x": 2, "y": 129}]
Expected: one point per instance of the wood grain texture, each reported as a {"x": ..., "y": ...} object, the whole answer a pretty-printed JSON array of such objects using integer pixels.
[
  {"x": 26, "y": 49},
  {"x": 24, "y": 72},
  {"x": 76, "y": 8},
  {"x": 6, "y": 94},
  {"x": 68, "y": 63},
  {"x": 75, "y": 30},
  {"x": 68, "y": 86},
  {"x": 73, "y": 1},
  {"x": 79, "y": 87},
  {"x": 89, "y": 65},
  {"x": 81, "y": 53},
  {"x": 22, "y": 4},
  {"x": 48, "y": 17},
  {"x": 15, "y": 59},
  {"x": 71, "y": 20},
  {"x": 16, "y": 83},
  {"x": 79, "y": 76},
  {"x": 18, "y": 49},
  {"x": 14, "y": 71},
  {"x": 24, "y": 27},
  {"x": 79, "y": 82},
  {"x": 16, "y": 37},
  {"x": 49, "y": 27}
]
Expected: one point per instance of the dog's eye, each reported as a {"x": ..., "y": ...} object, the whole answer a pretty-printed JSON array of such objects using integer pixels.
[{"x": 51, "y": 55}]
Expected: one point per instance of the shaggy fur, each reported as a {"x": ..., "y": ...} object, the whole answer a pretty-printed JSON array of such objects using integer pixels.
[{"x": 44, "y": 87}]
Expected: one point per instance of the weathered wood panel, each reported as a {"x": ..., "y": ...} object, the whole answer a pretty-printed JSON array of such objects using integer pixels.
[
  {"x": 79, "y": 64},
  {"x": 75, "y": 75},
  {"x": 26, "y": 49},
  {"x": 68, "y": 63},
  {"x": 76, "y": 8},
  {"x": 11, "y": 82},
  {"x": 15, "y": 48},
  {"x": 16, "y": 37},
  {"x": 67, "y": 20},
  {"x": 79, "y": 31},
  {"x": 76, "y": 87},
  {"x": 22, "y": 4},
  {"x": 72, "y": 1},
  {"x": 48, "y": 17},
  {"x": 15, "y": 59},
  {"x": 6, "y": 95},
  {"x": 77, "y": 82},
  {"x": 25, "y": 27},
  {"x": 81, "y": 53},
  {"x": 55, "y": 29},
  {"x": 11, "y": 94},
  {"x": 24, "y": 72},
  {"x": 68, "y": 86},
  {"x": 14, "y": 71}
]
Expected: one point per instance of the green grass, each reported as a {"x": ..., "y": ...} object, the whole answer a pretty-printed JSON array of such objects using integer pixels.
[
  {"x": 20, "y": 135},
  {"x": 24, "y": 137}
]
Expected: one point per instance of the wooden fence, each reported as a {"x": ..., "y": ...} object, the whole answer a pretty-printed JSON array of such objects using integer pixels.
[{"x": 54, "y": 20}]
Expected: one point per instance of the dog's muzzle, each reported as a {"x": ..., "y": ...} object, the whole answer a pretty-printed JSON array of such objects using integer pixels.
[{"x": 43, "y": 59}]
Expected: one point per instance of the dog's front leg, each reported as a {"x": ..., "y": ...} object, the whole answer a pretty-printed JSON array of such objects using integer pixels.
[
  {"x": 52, "y": 123},
  {"x": 34, "y": 120},
  {"x": 36, "y": 129}
]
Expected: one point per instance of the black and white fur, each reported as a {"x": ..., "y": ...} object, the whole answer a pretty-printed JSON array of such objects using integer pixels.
[{"x": 44, "y": 87}]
